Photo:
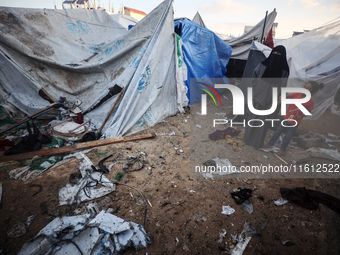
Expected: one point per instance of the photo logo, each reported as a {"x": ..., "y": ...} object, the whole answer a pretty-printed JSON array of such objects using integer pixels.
[
  {"x": 239, "y": 104},
  {"x": 238, "y": 100},
  {"x": 213, "y": 90}
]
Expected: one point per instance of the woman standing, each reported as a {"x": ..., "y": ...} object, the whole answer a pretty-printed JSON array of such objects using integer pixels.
[{"x": 270, "y": 73}]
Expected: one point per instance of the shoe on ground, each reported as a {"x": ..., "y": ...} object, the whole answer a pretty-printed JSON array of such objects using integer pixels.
[
  {"x": 281, "y": 153},
  {"x": 266, "y": 148}
]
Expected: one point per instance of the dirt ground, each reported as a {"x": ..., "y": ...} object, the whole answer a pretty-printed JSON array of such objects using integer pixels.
[{"x": 184, "y": 210}]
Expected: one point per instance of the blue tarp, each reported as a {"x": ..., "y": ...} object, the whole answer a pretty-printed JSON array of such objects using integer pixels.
[{"x": 205, "y": 54}]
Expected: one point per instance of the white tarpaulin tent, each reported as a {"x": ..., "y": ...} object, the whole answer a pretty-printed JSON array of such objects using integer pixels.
[
  {"x": 198, "y": 19},
  {"x": 124, "y": 20},
  {"x": 80, "y": 54},
  {"x": 241, "y": 45},
  {"x": 316, "y": 56}
]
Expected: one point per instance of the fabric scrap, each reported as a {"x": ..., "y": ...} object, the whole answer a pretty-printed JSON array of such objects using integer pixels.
[{"x": 310, "y": 199}]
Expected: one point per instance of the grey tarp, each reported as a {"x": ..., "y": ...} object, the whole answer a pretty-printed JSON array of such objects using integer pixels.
[
  {"x": 241, "y": 45},
  {"x": 198, "y": 19},
  {"x": 124, "y": 20},
  {"x": 80, "y": 54}
]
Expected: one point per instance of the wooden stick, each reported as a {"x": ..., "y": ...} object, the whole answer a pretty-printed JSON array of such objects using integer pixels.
[
  {"x": 109, "y": 114},
  {"x": 75, "y": 147},
  {"x": 27, "y": 118},
  {"x": 48, "y": 95},
  {"x": 281, "y": 159}
]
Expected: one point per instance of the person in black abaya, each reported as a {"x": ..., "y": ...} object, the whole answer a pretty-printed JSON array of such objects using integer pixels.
[{"x": 271, "y": 72}]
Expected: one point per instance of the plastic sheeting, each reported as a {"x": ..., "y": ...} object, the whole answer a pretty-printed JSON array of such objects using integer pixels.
[
  {"x": 104, "y": 234},
  {"x": 205, "y": 54},
  {"x": 91, "y": 185},
  {"x": 241, "y": 45},
  {"x": 124, "y": 20},
  {"x": 198, "y": 19},
  {"x": 80, "y": 54},
  {"x": 316, "y": 56}
]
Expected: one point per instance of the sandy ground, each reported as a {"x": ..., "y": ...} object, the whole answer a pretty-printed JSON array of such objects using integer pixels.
[{"x": 184, "y": 209}]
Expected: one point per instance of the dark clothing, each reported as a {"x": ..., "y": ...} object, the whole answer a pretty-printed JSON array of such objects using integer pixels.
[
  {"x": 254, "y": 136},
  {"x": 270, "y": 73},
  {"x": 276, "y": 63},
  {"x": 310, "y": 199}
]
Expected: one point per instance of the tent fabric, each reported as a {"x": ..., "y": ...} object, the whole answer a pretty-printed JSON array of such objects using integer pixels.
[
  {"x": 198, "y": 19},
  {"x": 205, "y": 54},
  {"x": 80, "y": 54},
  {"x": 124, "y": 20},
  {"x": 181, "y": 76},
  {"x": 241, "y": 45},
  {"x": 315, "y": 55}
]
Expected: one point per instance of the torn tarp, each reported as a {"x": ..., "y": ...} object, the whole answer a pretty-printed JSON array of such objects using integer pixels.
[
  {"x": 91, "y": 185},
  {"x": 104, "y": 234}
]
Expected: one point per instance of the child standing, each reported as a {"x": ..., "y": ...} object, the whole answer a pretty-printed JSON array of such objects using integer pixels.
[{"x": 293, "y": 118}]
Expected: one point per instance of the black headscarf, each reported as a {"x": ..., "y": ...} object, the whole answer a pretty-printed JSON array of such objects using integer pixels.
[{"x": 275, "y": 64}]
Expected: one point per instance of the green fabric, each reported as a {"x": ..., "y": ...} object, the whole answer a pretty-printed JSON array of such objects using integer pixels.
[
  {"x": 179, "y": 52},
  {"x": 37, "y": 165},
  {"x": 56, "y": 142}
]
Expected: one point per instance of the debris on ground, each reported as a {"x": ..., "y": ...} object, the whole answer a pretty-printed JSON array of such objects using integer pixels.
[
  {"x": 244, "y": 238},
  {"x": 333, "y": 153},
  {"x": 241, "y": 195},
  {"x": 103, "y": 234},
  {"x": 91, "y": 185},
  {"x": 281, "y": 201},
  {"x": 221, "y": 134},
  {"x": 247, "y": 206},
  {"x": 222, "y": 235},
  {"x": 227, "y": 210}
]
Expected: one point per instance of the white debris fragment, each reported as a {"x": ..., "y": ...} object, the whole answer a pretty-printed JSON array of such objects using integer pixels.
[
  {"x": 281, "y": 201},
  {"x": 243, "y": 239},
  {"x": 227, "y": 210},
  {"x": 222, "y": 235}
]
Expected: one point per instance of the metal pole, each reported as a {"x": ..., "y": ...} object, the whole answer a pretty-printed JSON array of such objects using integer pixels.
[{"x": 264, "y": 25}]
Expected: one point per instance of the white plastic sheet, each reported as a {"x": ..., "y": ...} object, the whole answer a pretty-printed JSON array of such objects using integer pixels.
[
  {"x": 316, "y": 56},
  {"x": 104, "y": 234}
]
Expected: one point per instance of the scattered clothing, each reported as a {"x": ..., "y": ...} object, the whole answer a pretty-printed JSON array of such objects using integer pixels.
[
  {"x": 6, "y": 143},
  {"x": 241, "y": 195},
  {"x": 310, "y": 199},
  {"x": 31, "y": 142},
  {"x": 221, "y": 134}
]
